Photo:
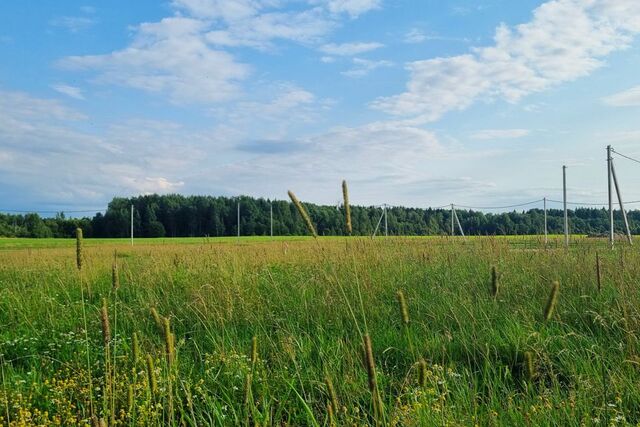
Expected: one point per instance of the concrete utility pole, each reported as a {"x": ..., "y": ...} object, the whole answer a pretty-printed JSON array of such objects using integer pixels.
[
  {"x": 455, "y": 215},
  {"x": 386, "y": 222},
  {"x": 238, "y": 219},
  {"x": 566, "y": 213},
  {"x": 452, "y": 221},
  {"x": 546, "y": 232},
  {"x": 624, "y": 212},
  {"x": 131, "y": 225},
  {"x": 271, "y": 217},
  {"x": 609, "y": 178}
]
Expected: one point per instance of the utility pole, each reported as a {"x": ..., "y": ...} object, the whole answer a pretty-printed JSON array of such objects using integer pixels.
[
  {"x": 624, "y": 212},
  {"x": 566, "y": 213},
  {"x": 546, "y": 232},
  {"x": 238, "y": 218},
  {"x": 131, "y": 225},
  {"x": 271, "y": 217},
  {"x": 609, "y": 176},
  {"x": 386, "y": 222},
  {"x": 455, "y": 215},
  {"x": 452, "y": 219}
]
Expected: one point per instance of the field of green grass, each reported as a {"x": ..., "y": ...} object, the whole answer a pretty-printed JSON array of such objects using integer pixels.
[{"x": 327, "y": 332}]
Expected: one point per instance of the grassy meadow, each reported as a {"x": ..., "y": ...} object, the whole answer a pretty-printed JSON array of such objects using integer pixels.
[{"x": 326, "y": 332}]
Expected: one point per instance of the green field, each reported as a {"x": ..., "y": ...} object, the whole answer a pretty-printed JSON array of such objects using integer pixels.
[{"x": 262, "y": 331}]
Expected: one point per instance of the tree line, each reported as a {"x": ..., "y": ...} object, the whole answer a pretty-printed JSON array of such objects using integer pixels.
[{"x": 175, "y": 215}]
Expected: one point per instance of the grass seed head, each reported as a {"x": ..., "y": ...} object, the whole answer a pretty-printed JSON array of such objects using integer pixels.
[
  {"x": 552, "y": 301},
  {"x": 370, "y": 364},
  {"x": 333, "y": 396},
  {"x": 157, "y": 319},
  {"x": 169, "y": 341},
  {"x": 303, "y": 213},
  {"x": 422, "y": 373},
  {"x": 331, "y": 415},
  {"x": 254, "y": 350},
  {"x": 104, "y": 319},
  {"x": 247, "y": 390},
  {"x": 347, "y": 208},
  {"x": 529, "y": 367},
  {"x": 130, "y": 397},
  {"x": 404, "y": 311},
  {"x": 115, "y": 278},
  {"x": 151, "y": 374},
  {"x": 79, "y": 248},
  {"x": 135, "y": 347},
  {"x": 495, "y": 283}
]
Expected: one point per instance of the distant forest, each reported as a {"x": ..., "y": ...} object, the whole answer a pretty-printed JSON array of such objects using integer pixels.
[{"x": 194, "y": 216}]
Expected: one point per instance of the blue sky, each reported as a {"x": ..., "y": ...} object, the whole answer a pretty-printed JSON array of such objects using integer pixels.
[{"x": 419, "y": 103}]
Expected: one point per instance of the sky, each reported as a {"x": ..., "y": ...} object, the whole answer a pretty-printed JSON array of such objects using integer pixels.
[{"x": 414, "y": 102}]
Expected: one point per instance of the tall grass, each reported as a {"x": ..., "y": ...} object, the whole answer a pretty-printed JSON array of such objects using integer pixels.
[{"x": 250, "y": 334}]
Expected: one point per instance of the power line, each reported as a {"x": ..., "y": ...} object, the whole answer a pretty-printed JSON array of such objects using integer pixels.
[
  {"x": 500, "y": 207},
  {"x": 626, "y": 157}
]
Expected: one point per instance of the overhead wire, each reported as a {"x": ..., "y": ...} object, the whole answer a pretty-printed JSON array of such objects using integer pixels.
[{"x": 625, "y": 156}]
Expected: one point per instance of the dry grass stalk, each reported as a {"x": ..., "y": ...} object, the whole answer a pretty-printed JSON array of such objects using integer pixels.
[
  {"x": 347, "y": 208},
  {"x": 303, "y": 213},
  {"x": 552, "y": 301}
]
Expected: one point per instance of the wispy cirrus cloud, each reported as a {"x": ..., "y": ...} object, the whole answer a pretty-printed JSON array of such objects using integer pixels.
[
  {"x": 626, "y": 98},
  {"x": 349, "y": 49},
  {"x": 70, "y": 91},
  {"x": 492, "y": 134},
  {"x": 362, "y": 67},
  {"x": 73, "y": 24},
  {"x": 565, "y": 40}
]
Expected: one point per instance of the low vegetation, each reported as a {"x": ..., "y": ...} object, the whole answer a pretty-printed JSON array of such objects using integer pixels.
[{"x": 350, "y": 331}]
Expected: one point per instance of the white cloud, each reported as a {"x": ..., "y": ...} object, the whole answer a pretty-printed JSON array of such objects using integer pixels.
[
  {"x": 71, "y": 91},
  {"x": 229, "y": 10},
  {"x": 169, "y": 57},
  {"x": 73, "y": 24},
  {"x": 259, "y": 30},
  {"x": 353, "y": 7},
  {"x": 184, "y": 57},
  {"x": 415, "y": 36},
  {"x": 565, "y": 40},
  {"x": 54, "y": 163},
  {"x": 627, "y": 98},
  {"x": 349, "y": 49},
  {"x": 362, "y": 67},
  {"x": 377, "y": 159},
  {"x": 488, "y": 134}
]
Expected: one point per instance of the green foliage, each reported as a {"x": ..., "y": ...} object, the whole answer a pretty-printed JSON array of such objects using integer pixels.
[{"x": 175, "y": 215}]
